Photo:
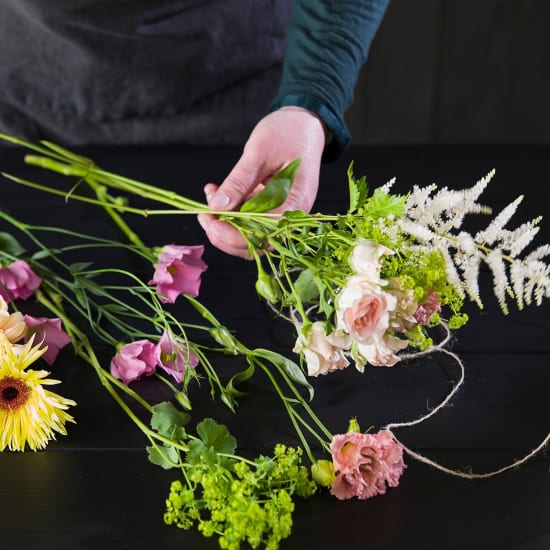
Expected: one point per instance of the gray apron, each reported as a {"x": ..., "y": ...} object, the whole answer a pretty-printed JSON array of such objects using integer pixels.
[{"x": 139, "y": 71}]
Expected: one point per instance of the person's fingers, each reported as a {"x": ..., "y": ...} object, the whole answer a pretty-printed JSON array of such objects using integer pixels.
[
  {"x": 223, "y": 236},
  {"x": 241, "y": 181}
]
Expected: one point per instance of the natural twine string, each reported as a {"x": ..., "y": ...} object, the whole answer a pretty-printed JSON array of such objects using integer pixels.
[{"x": 421, "y": 458}]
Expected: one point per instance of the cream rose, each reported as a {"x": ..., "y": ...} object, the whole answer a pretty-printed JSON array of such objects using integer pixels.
[
  {"x": 365, "y": 259},
  {"x": 404, "y": 316},
  {"x": 381, "y": 353},
  {"x": 11, "y": 324},
  {"x": 323, "y": 353},
  {"x": 363, "y": 309}
]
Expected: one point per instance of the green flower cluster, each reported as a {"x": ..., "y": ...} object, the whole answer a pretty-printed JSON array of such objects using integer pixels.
[
  {"x": 223, "y": 494},
  {"x": 241, "y": 501}
]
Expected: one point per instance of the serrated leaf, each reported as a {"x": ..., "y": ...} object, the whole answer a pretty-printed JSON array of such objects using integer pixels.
[
  {"x": 275, "y": 192},
  {"x": 10, "y": 245},
  {"x": 165, "y": 457},
  {"x": 216, "y": 436},
  {"x": 381, "y": 204},
  {"x": 357, "y": 190},
  {"x": 199, "y": 453},
  {"x": 166, "y": 419}
]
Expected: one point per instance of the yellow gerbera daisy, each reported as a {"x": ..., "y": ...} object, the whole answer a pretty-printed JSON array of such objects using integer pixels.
[{"x": 29, "y": 413}]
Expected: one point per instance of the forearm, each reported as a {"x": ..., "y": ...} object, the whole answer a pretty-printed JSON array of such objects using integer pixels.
[{"x": 328, "y": 43}]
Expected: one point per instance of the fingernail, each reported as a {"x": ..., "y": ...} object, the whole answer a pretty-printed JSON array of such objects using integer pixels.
[{"x": 219, "y": 201}]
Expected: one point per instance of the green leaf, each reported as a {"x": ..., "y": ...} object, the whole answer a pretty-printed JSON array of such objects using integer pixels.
[
  {"x": 381, "y": 205},
  {"x": 239, "y": 378},
  {"x": 78, "y": 267},
  {"x": 306, "y": 287},
  {"x": 216, "y": 436},
  {"x": 45, "y": 253},
  {"x": 165, "y": 457},
  {"x": 290, "y": 368},
  {"x": 275, "y": 192},
  {"x": 200, "y": 454},
  {"x": 10, "y": 245},
  {"x": 166, "y": 418},
  {"x": 357, "y": 190},
  {"x": 295, "y": 215}
]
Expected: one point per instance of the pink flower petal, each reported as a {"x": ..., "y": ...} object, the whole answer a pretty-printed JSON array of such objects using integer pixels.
[
  {"x": 18, "y": 281},
  {"x": 134, "y": 360},
  {"x": 50, "y": 333},
  {"x": 175, "y": 357},
  {"x": 365, "y": 464},
  {"x": 178, "y": 271}
]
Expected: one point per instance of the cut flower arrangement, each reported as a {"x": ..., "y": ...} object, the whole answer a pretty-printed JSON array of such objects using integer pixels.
[{"x": 366, "y": 288}]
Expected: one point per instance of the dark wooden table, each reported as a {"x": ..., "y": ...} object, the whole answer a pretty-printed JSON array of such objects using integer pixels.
[{"x": 96, "y": 489}]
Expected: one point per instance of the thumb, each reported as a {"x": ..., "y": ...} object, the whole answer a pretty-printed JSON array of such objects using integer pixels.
[{"x": 242, "y": 179}]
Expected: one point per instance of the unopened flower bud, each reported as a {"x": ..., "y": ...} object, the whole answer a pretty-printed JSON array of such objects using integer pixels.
[
  {"x": 266, "y": 287},
  {"x": 353, "y": 426},
  {"x": 322, "y": 473},
  {"x": 183, "y": 400},
  {"x": 225, "y": 338}
]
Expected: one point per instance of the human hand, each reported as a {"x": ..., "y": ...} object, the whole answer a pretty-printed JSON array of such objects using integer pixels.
[{"x": 278, "y": 139}]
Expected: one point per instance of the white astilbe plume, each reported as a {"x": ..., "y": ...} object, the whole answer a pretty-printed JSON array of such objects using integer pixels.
[
  {"x": 434, "y": 218},
  {"x": 447, "y": 208},
  {"x": 386, "y": 188},
  {"x": 493, "y": 231}
]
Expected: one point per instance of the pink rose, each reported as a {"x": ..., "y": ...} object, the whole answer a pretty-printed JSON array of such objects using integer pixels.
[
  {"x": 134, "y": 360},
  {"x": 365, "y": 464},
  {"x": 363, "y": 309},
  {"x": 11, "y": 324},
  {"x": 50, "y": 333},
  {"x": 426, "y": 309},
  {"x": 178, "y": 271},
  {"x": 174, "y": 357},
  {"x": 381, "y": 352},
  {"x": 18, "y": 281},
  {"x": 323, "y": 353},
  {"x": 365, "y": 259}
]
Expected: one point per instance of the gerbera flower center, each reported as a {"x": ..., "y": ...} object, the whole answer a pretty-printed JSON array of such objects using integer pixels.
[{"x": 14, "y": 393}]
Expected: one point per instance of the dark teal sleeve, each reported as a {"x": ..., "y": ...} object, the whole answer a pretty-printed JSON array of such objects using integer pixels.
[{"x": 328, "y": 42}]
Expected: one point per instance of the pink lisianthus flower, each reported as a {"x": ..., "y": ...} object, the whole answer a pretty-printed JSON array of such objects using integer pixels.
[
  {"x": 134, "y": 360},
  {"x": 50, "y": 333},
  {"x": 427, "y": 308},
  {"x": 323, "y": 352},
  {"x": 178, "y": 271},
  {"x": 174, "y": 357},
  {"x": 365, "y": 464},
  {"x": 18, "y": 281},
  {"x": 363, "y": 309}
]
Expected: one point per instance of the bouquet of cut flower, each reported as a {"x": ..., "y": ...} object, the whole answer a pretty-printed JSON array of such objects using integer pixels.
[{"x": 359, "y": 287}]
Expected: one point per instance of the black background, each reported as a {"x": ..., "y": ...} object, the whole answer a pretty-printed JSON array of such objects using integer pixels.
[{"x": 95, "y": 487}]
